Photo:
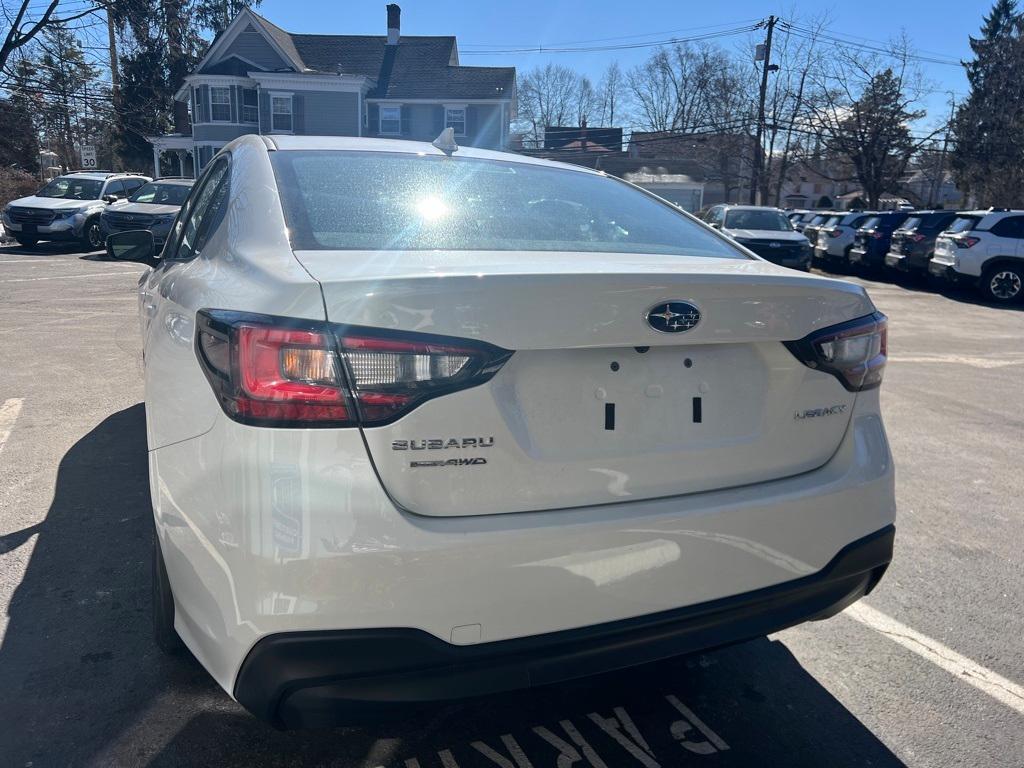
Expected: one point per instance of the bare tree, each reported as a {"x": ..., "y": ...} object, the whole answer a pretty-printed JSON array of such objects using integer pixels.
[
  {"x": 672, "y": 88},
  {"x": 611, "y": 94},
  {"x": 25, "y": 23},
  {"x": 549, "y": 95},
  {"x": 787, "y": 111}
]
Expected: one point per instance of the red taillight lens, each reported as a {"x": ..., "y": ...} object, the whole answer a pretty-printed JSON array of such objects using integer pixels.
[
  {"x": 917, "y": 238},
  {"x": 834, "y": 233},
  {"x": 966, "y": 242},
  {"x": 877, "y": 235},
  {"x": 280, "y": 372},
  {"x": 854, "y": 352}
]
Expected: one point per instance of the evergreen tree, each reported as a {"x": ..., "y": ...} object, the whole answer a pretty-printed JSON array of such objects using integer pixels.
[
  {"x": 19, "y": 136},
  {"x": 874, "y": 133},
  {"x": 64, "y": 78},
  {"x": 988, "y": 154}
]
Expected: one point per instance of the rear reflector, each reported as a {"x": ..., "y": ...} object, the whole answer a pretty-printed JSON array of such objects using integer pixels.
[
  {"x": 854, "y": 352},
  {"x": 281, "y": 372}
]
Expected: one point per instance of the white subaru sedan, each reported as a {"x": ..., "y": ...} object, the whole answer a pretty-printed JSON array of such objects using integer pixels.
[{"x": 427, "y": 424}]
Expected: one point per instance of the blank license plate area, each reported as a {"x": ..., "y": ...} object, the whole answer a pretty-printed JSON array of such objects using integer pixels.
[{"x": 588, "y": 403}]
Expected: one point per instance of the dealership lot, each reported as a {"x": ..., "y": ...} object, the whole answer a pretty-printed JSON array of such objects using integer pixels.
[{"x": 929, "y": 673}]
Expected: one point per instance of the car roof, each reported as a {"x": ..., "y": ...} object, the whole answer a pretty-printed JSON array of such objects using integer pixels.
[
  {"x": 399, "y": 146},
  {"x": 182, "y": 180},
  {"x": 739, "y": 207},
  {"x": 99, "y": 175}
]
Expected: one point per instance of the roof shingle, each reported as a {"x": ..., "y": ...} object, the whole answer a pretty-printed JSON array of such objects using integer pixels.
[{"x": 416, "y": 68}]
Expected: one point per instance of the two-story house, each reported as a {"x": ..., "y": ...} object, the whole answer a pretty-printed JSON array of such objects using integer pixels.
[{"x": 258, "y": 78}]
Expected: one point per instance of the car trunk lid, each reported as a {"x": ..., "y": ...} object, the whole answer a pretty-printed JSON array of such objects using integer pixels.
[{"x": 595, "y": 406}]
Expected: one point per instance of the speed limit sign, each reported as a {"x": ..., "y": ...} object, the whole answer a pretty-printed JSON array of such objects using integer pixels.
[{"x": 88, "y": 157}]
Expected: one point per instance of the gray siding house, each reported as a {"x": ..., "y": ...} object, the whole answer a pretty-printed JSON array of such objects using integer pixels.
[{"x": 258, "y": 78}]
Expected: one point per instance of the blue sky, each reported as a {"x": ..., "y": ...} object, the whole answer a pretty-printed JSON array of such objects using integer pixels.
[{"x": 938, "y": 27}]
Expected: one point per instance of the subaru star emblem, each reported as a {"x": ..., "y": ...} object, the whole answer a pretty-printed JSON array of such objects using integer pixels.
[{"x": 673, "y": 316}]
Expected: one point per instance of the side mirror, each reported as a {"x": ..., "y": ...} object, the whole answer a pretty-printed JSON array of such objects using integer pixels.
[
  {"x": 715, "y": 225},
  {"x": 111, "y": 198},
  {"x": 134, "y": 245}
]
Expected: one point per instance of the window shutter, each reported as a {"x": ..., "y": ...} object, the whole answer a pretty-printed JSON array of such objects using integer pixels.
[
  {"x": 405, "y": 121},
  {"x": 471, "y": 120},
  {"x": 236, "y": 98},
  {"x": 438, "y": 120},
  {"x": 373, "y": 119},
  {"x": 298, "y": 114}
]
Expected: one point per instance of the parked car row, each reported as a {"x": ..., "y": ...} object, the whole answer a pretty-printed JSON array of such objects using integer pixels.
[
  {"x": 982, "y": 248},
  {"x": 86, "y": 207}
]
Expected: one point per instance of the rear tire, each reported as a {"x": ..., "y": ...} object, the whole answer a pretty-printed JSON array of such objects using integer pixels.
[
  {"x": 1003, "y": 283},
  {"x": 166, "y": 638},
  {"x": 26, "y": 242}
]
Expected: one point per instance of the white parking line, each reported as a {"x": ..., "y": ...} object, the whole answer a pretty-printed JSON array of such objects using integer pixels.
[
  {"x": 999, "y": 688},
  {"x": 8, "y": 415},
  {"x": 69, "y": 277}
]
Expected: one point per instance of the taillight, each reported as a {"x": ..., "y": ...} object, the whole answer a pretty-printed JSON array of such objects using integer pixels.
[
  {"x": 281, "y": 372},
  {"x": 834, "y": 233},
  {"x": 917, "y": 238},
  {"x": 877, "y": 235},
  {"x": 966, "y": 242},
  {"x": 854, "y": 352}
]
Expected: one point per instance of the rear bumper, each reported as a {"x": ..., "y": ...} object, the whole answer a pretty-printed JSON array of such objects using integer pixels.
[
  {"x": 867, "y": 257},
  {"x": 943, "y": 270},
  {"x": 317, "y": 679}
]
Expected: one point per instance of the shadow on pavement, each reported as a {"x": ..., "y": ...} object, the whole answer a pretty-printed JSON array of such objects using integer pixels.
[
  {"x": 49, "y": 248},
  {"x": 83, "y": 684}
]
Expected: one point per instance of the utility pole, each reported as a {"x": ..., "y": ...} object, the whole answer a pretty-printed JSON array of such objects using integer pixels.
[
  {"x": 766, "y": 67},
  {"x": 115, "y": 85},
  {"x": 941, "y": 176}
]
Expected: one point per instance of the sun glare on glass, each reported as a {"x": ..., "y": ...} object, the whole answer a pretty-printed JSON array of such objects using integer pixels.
[{"x": 432, "y": 208}]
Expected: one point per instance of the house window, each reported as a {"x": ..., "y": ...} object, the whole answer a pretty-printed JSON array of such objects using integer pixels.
[
  {"x": 220, "y": 105},
  {"x": 390, "y": 120},
  {"x": 281, "y": 113},
  {"x": 250, "y": 106},
  {"x": 455, "y": 117}
]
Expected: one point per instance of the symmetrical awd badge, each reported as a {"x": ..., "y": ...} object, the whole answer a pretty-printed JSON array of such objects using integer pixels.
[{"x": 674, "y": 316}]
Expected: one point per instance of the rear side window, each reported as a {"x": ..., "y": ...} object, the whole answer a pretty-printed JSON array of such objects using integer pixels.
[
  {"x": 204, "y": 212},
  {"x": 335, "y": 200},
  {"x": 962, "y": 224},
  {"x": 1011, "y": 226}
]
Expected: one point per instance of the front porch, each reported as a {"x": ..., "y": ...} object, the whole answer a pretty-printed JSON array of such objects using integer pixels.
[{"x": 173, "y": 155}]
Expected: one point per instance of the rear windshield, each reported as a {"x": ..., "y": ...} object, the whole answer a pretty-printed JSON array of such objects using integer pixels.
[
  {"x": 962, "y": 224},
  {"x": 162, "y": 194},
  {"x": 912, "y": 223},
  {"x": 339, "y": 200},
  {"x": 71, "y": 188},
  {"x": 819, "y": 219},
  {"x": 773, "y": 221},
  {"x": 871, "y": 222},
  {"x": 833, "y": 221}
]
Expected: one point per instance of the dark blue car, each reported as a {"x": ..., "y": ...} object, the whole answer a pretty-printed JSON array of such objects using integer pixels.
[{"x": 871, "y": 242}]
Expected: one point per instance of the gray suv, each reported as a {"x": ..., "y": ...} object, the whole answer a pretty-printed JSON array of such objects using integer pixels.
[{"x": 68, "y": 208}]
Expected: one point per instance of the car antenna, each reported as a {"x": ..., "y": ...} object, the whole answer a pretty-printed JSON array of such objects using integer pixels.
[{"x": 446, "y": 142}]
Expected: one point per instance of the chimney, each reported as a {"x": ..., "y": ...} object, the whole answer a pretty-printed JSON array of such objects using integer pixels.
[{"x": 394, "y": 23}]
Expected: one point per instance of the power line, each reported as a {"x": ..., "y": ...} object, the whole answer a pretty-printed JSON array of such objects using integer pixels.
[
  {"x": 629, "y": 46},
  {"x": 606, "y": 39}
]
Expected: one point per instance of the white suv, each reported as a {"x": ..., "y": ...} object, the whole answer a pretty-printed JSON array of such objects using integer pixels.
[
  {"x": 985, "y": 248},
  {"x": 430, "y": 423},
  {"x": 68, "y": 208},
  {"x": 835, "y": 237}
]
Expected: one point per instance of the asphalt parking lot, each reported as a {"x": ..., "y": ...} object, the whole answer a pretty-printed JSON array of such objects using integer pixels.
[{"x": 929, "y": 670}]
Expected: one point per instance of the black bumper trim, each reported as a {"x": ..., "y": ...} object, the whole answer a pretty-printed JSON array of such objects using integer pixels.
[{"x": 316, "y": 679}]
